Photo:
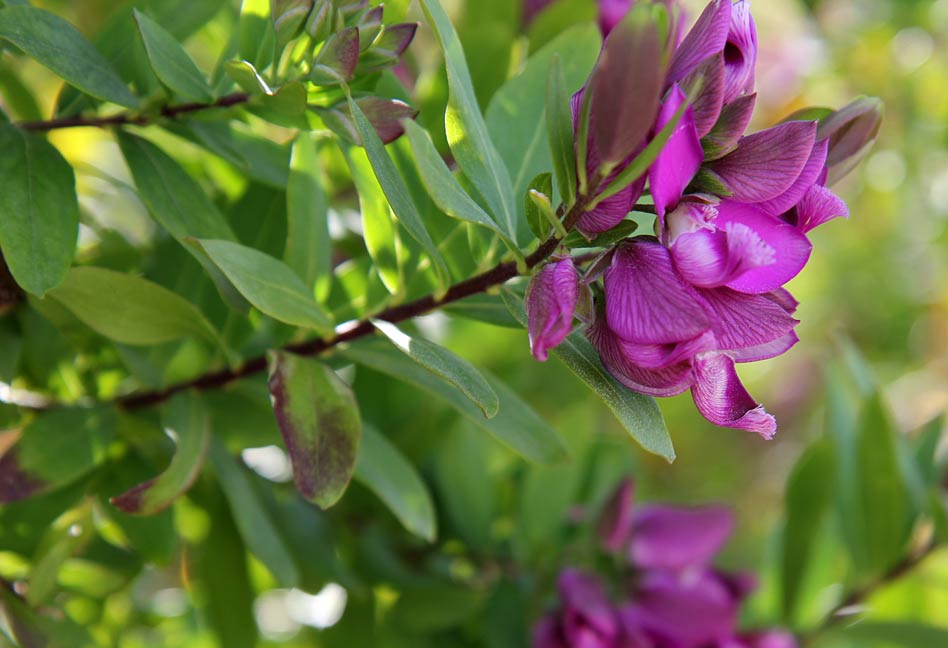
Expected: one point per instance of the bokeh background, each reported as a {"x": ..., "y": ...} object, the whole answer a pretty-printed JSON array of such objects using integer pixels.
[{"x": 874, "y": 307}]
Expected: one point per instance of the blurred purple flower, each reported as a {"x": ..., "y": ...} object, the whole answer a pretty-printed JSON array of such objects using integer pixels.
[
  {"x": 586, "y": 619},
  {"x": 615, "y": 519},
  {"x": 678, "y": 538},
  {"x": 531, "y": 8},
  {"x": 551, "y": 300}
]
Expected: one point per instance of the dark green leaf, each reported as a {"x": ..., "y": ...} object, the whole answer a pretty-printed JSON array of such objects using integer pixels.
[
  {"x": 392, "y": 183},
  {"x": 255, "y": 525},
  {"x": 59, "y": 46},
  {"x": 267, "y": 283},
  {"x": 638, "y": 414},
  {"x": 389, "y": 475},
  {"x": 444, "y": 364},
  {"x": 187, "y": 418},
  {"x": 468, "y": 494},
  {"x": 483, "y": 308},
  {"x": 516, "y": 425},
  {"x": 320, "y": 423},
  {"x": 538, "y": 223},
  {"x": 467, "y": 132},
  {"x": 171, "y": 63},
  {"x": 39, "y": 212},
  {"x": 435, "y": 607},
  {"x": 129, "y": 309},
  {"x": 308, "y": 246},
  {"x": 256, "y": 39},
  {"x": 809, "y": 493},
  {"x": 559, "y": 131}
]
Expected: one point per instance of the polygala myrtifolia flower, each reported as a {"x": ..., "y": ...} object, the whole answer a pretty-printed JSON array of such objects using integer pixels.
[
  {"x": 670, "y": 596},
  {"x": 663, "y": 115}
]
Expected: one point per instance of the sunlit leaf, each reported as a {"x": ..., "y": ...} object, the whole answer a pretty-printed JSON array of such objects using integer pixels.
[
  {"x": 171, "y": 63},
  {"x": 308, "y": 246}
]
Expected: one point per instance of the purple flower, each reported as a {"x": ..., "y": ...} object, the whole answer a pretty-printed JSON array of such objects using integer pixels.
[
  {"x": 681, "y": 156},
  {"x": 677, "y": 538},
  {"x": 586, "y": 619},
  {"x": 740, "y": 52},
  {"x": 615, "y": 520},
  {"x": 658, "y": 334},
  {"x": 551, "y": 300}
]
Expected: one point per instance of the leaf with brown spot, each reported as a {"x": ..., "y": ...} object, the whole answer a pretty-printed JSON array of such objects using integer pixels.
[{"x": 319, "y": 419}]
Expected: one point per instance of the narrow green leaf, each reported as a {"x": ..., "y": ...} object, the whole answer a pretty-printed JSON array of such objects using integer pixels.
[
  {"x": 251, "y": 518},
  {"x": 516, "y": 425},
  {"x": 267, "y": 283},
  {"x": 469, "y": 497},
  {"x": 378, "y": 224},
  {"x": 638, "y": 414},
  {"x": 246, "y": 76},
  {"x": 59, "y": 46},
  {"x": 538, "y": 223},
  {"x": 18, "y": 98},
  {"x": 129, "y": 309},
  {"x": 171, "y": 63},
  {"x": 884, "y": 495},
  {"x": 171, "y": 195},
  {"x": 187, "y": 419},
  {"x": 308, "y": 246},
  {"x": 559, "y": 132},
  {"x": 55, "y": 449},
  {"x": 320, "y": 423},
  {"x": 445, "y": 364},
  {"x": 383, "y": 469},
  {"x": 467, "y": 132},
  {"x": 442, "y": 186},
  {"x": 39, "y": 212},
  {"x": 61, "y": 541},
  {"x": 516, "y": 116},
  {"x": 808, "y": 496},
  {"x": 543, "y": 205},
  {"x": 905, "y": 634},
  {"x": 392, "y": 183},
  {"x": 256, "y": 38}
]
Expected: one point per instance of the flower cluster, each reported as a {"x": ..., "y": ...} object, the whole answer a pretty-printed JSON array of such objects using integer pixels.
[
  {"x": 733, "y": 210},
  {"x": 673, "y": 597}
]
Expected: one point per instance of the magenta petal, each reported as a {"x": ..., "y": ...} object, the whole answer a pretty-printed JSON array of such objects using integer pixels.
[
  {"x": 705, "y": 39},
  {"x": 714, "y": 258},
  {"x": 546, "y": 634},
  {"x": 550, "y": 303},
  {"x": 730, "y": 127},
  {"x": 684, "y": 611},
  {"x": 791, "y": 248},
  {"x": 818, "y": 206},
  {"x": 646, "y": 300},
  {"x": 660, "y": 356},
  {"x": 771, "y": 639},
  {"x": 742, "y": 321},
  {"x": 586, "y": 604},
  {"x": 611, "y": 12},
  {"x": 807, "y": 178},
  {"x": 740, "y": 52},
  {"x": 615, "y": 519},
  {"x": 611, "y": 211},
  {"x": 669, "y": 537},
  {"x": 708, "y": 104},
  {"x": 661, "y": 382},
  {"x": 722, "y": 399},
  {"x": 768, "y": 350},
  {"x": 681, "y": 157},
  {"x": 767, "y": 163}
]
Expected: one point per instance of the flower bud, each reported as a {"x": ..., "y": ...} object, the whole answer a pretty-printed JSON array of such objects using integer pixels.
[
  {"x": 551, "y": 301},
  {"x": 851, "y": 132}
]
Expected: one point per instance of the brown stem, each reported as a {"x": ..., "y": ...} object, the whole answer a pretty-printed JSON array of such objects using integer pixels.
[
  {"x": 133, "y": 119},
  {"x": 859, "y": 595},
  {"x": 496, "y": 276}
]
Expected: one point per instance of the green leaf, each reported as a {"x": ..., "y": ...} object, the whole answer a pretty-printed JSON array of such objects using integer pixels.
[
  {"x": 638, "y": 414},
  {"x": 187, "y": 418},
  {"x": 489, "y": 309},
  {"x": 18, "y": 98},
  {"x": 267, "y": 283},
  {"x": 320, "y": 423},
  {"x": 445, "y": 364},
  {"x": 893, "y": 633},
  {"x": 129, "y": 309},
  {"x": 515, "y": 117},
  {"x": 378, "y": 227},
  {"x": 808, "y": 496},
  {"x": 883, "y": 492},
  {"x": 337, "y": 60},
  {"x": 559, "y": 132},
  {"x": 442, "y": 186},
  {"x": 39, "y": 212},
  {"x": 56, "y": 448},
  {"x": 171, "y": 195},
  {"x": 251, "y": 518},
  {"x": 246, "y": 76},
  {"x": 538, "y": 222},
  {"x": 435, "y": 607},
  {"x": 467, "y": 132},
  {"x": 59, "y": 46},
  {"x": 256, "y": 38},
  {"x": 171, "y": 63},
  {"x": 308, "y": 246},
  {"x": 516, "y": 425},
  {"x": 384, "y": 470},
  {"x": 393, "y": 185},
  {"x": 468, "y": 494}
]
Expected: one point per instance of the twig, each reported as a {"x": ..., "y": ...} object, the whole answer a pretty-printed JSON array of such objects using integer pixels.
[
  {"x": 496, "y": 276},
  {"x": 131, "y": 118}
]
